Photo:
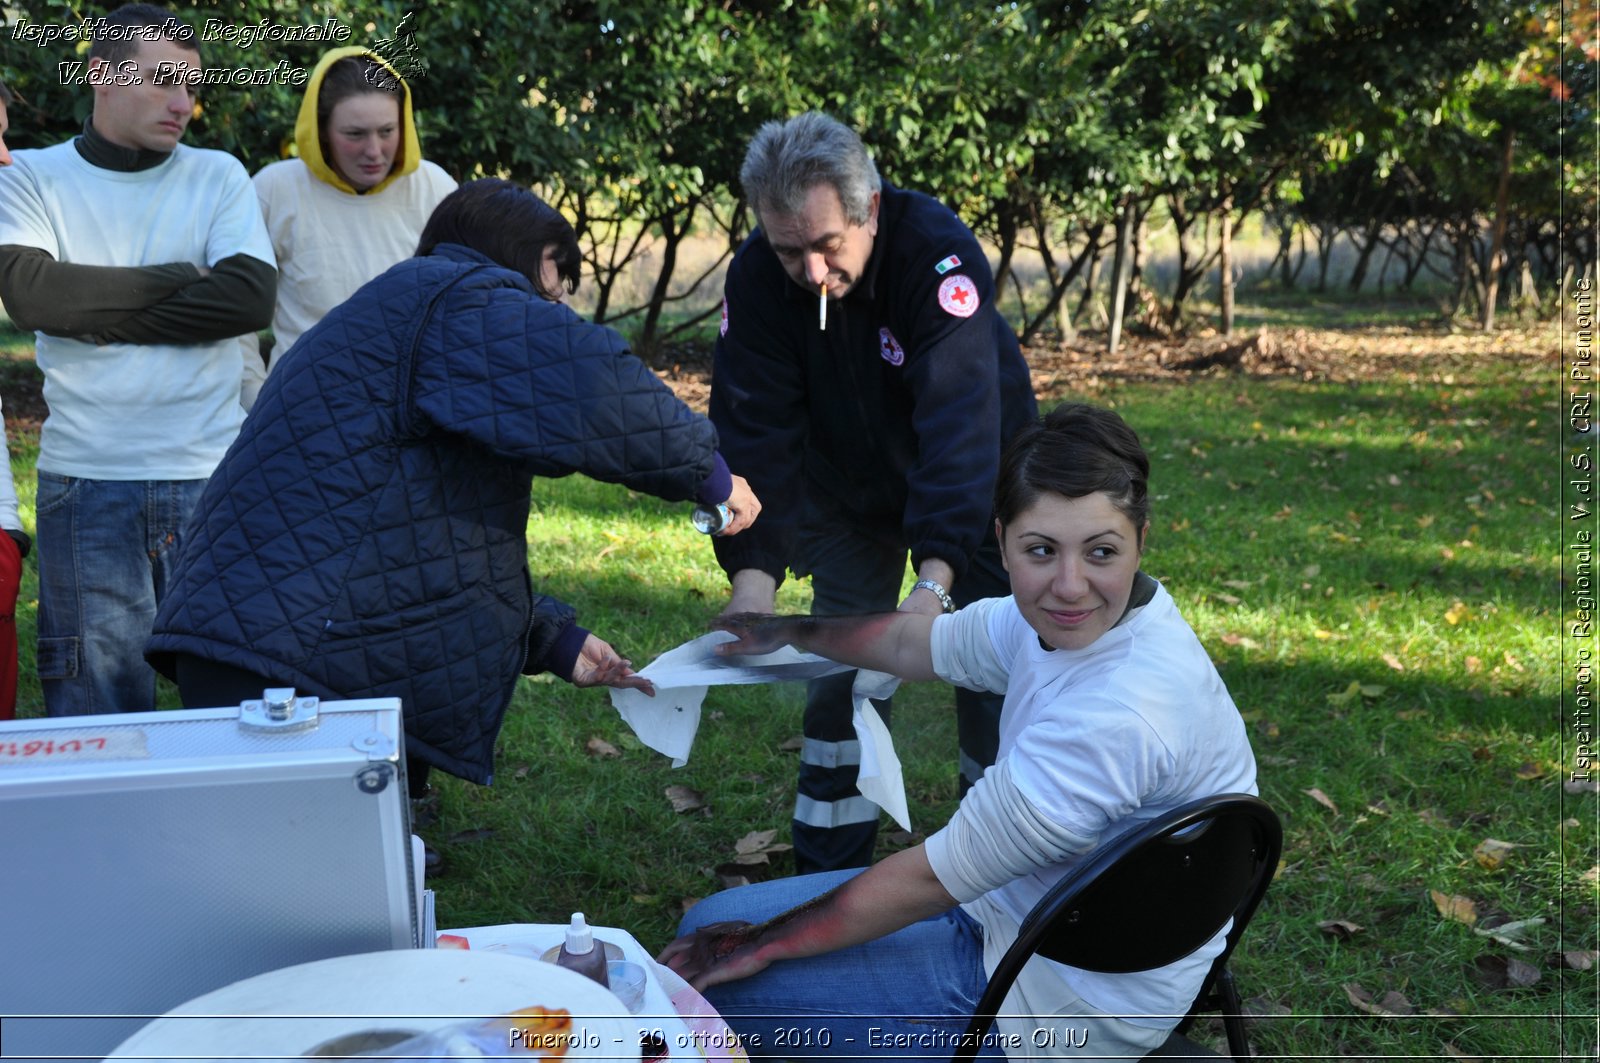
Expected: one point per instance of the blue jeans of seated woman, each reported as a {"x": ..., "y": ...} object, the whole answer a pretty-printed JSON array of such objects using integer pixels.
[
  {"x": 910, "y": 993},
  {"x": 106, "y": 551}
]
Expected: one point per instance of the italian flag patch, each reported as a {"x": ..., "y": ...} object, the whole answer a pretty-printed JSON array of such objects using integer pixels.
[{"x": 947, "y": 265}]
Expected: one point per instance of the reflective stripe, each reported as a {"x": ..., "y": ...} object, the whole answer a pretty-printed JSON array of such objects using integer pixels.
[
  {"x": 971, "y": 770},
  {"x": 830, "y": 754},
  {"x": 814, "y": 813}
]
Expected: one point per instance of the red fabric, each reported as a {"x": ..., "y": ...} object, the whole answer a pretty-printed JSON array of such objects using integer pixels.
[{"x": 10, "y": 581}]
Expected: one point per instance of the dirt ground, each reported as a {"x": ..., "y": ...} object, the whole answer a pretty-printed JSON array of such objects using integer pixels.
[{"x": 1083, "y": 366}]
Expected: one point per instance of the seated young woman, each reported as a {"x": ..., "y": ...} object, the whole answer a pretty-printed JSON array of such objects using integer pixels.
[{"x": 1113, "y": 715}]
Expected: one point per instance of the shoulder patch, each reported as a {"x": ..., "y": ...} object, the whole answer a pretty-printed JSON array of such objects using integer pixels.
[
  {"x": 722, "y": 329},
  {"x": 947, "y": 265},
  {"x": 889, "y": 348},
  {"x": 958, "y": 295}
]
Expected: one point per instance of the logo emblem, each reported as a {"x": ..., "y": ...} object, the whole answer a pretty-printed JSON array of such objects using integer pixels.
[
  {"x": 722, "y": 329},
  {"x": 890, "y": 348},
  {"x": 958, "y": 295},
  {"x": 947, "y": 265}
]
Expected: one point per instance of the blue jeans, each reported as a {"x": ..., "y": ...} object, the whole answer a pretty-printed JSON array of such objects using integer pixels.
[
  {"x": 106, "y": 552},
  {"x": 910, "y": 993}
]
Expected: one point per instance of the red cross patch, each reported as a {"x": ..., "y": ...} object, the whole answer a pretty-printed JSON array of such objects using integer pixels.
[
  {"x": 722, "y": 330},
  {"x": 890, "y": 348},
  {"x": 958, "y": 295}
]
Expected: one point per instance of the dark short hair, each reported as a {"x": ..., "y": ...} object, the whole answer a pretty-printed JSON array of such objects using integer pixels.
[
  {"x": 1072, "y": 451},
  {"x": 354, "y": 75},
  {"x": 510, "y": 225},
  {"x": 786, "y": 160},
  {"x": 116, "y": 40}
]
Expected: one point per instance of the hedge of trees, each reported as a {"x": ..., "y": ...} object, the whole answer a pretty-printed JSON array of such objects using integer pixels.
[{"x": 1442, "y": 138}]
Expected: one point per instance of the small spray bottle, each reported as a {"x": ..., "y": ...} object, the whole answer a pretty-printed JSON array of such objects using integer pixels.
[{"x": 582, "y": 953}]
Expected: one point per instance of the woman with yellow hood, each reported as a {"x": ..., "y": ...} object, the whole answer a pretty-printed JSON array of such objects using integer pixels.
[{"x": 351, "y": 205}]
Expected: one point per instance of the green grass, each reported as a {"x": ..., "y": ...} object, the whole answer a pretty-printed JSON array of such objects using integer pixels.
[{"x": 1399, "y": 534}]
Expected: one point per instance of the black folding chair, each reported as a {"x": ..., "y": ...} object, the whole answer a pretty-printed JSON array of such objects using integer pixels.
[{"x": 1149, "y": 898}]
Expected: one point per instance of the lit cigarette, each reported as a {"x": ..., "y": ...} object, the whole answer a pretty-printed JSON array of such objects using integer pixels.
[{"x": 822, "y": 306}]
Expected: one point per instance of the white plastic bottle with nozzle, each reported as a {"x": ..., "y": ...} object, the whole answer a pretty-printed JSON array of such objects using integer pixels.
[{"x": 582, "y": 953}]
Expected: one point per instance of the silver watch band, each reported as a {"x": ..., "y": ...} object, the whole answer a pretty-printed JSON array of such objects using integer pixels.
[{"x": 938, "y": 592}]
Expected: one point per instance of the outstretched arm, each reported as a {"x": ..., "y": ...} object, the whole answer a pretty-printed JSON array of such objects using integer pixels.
[
  {"x": 897, "y": 643},
  {"x": 887, "y": 896}
]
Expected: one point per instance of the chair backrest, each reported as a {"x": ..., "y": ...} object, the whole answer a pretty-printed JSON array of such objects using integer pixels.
[{"x": 1149, "y": 897}]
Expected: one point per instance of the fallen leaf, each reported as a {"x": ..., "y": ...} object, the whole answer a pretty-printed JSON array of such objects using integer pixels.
[
  {"x": 1311, "y": 571},
  {"x": 1225, "y": 599},
  {"x": 1390, "y": 1005},
  {"x": 1504, "y": 972},
  {"x": 1264, "y": 1008},
  {"x": 755, "y": 847},
  {"x": 1509, "y": 934},
  {"x": 1340, "y": 929},
  {"x": 1473, "y": 665},
  {"x": 1246, "y": 641},
  {"x": 1530, "y": 770},
  {"x": 1455, "y": 1053},
  {"x": 1512, "y": 663},
  {"x": 1322, "y": 633},
  {"x": 1347, "y": 695},
  {"x": 1577, "y": 959},
  {"x": 685, "y": 798},
  {"x": 599, "y": 747},
  {"x": 1491, "y": 853},
  {"x": 1322, "y": 799},
  {"x": 477, "y": 834},
  {"x": 1238, "y": 584},
  {"x": 1454, "y": 908},
  {"x": 522, "y": 771},
  {"x": 1393, "y": 662},
  {"x": 1457, "y": 613},
  {"x": 793, "y": 745}
]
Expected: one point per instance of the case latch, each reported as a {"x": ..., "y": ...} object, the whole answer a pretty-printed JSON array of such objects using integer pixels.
[{"x": 279, "y": 712}]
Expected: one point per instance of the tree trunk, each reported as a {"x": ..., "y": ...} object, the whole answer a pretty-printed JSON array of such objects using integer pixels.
[
  {"x": 1119, "y": 275},
  {"x": 1225, "y": 266},
  {"x": 673, "y": 233},
  {"x": 1497, "y": 249}
]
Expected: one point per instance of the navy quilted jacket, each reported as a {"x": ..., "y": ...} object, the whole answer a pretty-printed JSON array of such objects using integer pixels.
[{"x": 366, "y": 535}]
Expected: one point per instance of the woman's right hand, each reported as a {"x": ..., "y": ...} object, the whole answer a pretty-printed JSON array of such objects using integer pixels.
[
  {"x": 743, "y": 507},
  {"x": 716, "y": 953}
]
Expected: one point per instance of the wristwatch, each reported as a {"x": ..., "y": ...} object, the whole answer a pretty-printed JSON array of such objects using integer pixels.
[{"x": 938, "y": 592}]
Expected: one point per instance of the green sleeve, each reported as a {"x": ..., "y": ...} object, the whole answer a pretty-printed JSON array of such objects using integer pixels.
[
  {"x": 75, "y": 301},
  {"x": 234, "y": 298}
]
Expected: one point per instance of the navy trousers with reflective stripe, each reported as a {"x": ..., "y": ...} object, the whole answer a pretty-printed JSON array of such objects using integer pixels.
[{"x": 834, "y": 826}]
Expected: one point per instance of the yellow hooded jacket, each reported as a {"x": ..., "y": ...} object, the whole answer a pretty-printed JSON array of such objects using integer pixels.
[{"x": 308, "y": 138}]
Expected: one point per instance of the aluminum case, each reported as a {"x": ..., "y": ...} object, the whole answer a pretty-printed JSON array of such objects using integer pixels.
[{"x": 151, "y": 858}]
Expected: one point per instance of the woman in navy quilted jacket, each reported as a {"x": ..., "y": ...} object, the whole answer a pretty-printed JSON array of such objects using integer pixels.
[{"x": 366, "y": 535}]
